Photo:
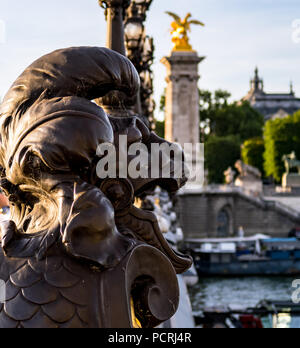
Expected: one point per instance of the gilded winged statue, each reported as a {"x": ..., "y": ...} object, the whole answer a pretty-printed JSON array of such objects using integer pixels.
[{"x": 180, "y": 29}]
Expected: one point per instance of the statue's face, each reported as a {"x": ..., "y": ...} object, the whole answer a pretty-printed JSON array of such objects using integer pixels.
[
  {"x": 53, "y": 189},
  {"x": 138, "y": 134}
]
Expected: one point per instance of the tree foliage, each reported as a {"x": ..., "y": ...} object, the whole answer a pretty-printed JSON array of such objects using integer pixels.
[
  {"x": 160, "y": 128},
  {"x": 224, "y": 119},
  {"x": 162, "y": 102},
  {"x": 282, "y": 136},
  {"x": 224, "y": 126},
  {"x": 241, "y": 120},
  {"x": 253, "y": 153},
  {"x": 220, "y": 153}
]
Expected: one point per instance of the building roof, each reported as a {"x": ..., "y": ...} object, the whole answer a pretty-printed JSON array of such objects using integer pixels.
[{"x": 271, "y": 105}]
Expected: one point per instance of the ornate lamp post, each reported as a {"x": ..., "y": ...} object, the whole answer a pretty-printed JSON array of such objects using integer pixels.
[
  {"x": 134, "y": 24},
  {"x": 115, "y": 13},
  {"x": 140, "y": 51},
  {"x": 125, "y": 29}
]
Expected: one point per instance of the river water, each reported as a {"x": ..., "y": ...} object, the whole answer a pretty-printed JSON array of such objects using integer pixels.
[{"x": 239, "y": 292}]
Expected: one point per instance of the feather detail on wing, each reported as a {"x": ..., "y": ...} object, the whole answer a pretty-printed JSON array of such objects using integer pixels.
[
  {"x": 187, "y": 17},
  {"x": 196, "y": 22},
  {"x": 175, "y": 16}
]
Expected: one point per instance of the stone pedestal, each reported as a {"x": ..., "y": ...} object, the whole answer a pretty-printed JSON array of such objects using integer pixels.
[
  {"x": 254, "y": 186},
  {"x": 249, "y": 178},
  {"x": 182, "y": 97},
  {"x": 182, "y": 106},
  {"x": 291, "y": 180}
]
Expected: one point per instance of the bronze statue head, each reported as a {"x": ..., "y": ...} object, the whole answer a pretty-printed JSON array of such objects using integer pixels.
[{"x": 50, "y": 130}]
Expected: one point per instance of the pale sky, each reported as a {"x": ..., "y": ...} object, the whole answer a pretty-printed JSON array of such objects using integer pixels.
[{"x": 239, "y": 35}]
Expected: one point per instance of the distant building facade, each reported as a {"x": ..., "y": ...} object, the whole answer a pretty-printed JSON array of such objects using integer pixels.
[{"x": 271, "y": 105}]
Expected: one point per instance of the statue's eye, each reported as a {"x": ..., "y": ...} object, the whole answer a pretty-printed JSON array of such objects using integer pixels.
[
  {"x": 34, "y": 161},
  {"x": 32, "y": 166}
]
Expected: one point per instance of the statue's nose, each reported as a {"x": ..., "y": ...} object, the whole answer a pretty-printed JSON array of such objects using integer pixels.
[{"x": 134, "y": 135}]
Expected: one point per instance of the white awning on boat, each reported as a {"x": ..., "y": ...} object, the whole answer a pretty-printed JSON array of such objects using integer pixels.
[{"x": 227, "y": 240}]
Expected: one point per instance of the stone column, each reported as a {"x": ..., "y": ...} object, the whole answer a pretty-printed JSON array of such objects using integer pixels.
[{"x": 182, "y": 97}]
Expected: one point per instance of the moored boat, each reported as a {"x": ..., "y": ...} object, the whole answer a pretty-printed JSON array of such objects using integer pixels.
[
  {"x": 258, "y": 255},
  {"x": 267, "y": 314}
]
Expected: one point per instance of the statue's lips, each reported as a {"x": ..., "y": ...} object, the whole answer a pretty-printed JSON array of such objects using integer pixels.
[{"x": 139, "y": 223}]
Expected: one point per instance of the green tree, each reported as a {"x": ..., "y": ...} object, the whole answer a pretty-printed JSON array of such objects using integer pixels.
[
  {"x": 209, "y": 103},
  {"x": 241, "y": 120},
  {"x": 160, "y": 128},
  {"x": 220, "y": 153},
  {"x": 162, "y": 102},
  {"x": 224, "y": 119},
  {"x": 221, "y": 98},
  {"x": 222, "y": 122},
  {"x": 253, "y": 153},
  {"x": 220, "y": 118},
  {"x": 282, "y": 136}
]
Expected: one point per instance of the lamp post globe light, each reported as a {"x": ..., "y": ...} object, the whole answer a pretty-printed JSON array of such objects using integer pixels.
[
  {"x": 135, "y": 37},
  {"x": 133, "y": 34}
]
